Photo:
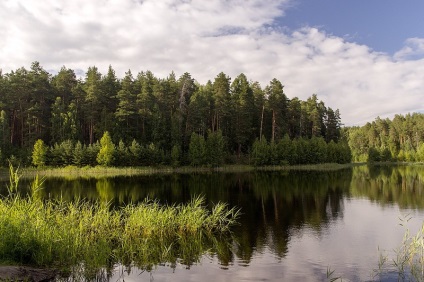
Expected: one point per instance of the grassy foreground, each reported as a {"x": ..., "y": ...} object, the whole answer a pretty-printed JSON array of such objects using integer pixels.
[{"x": 64, "y": 235}]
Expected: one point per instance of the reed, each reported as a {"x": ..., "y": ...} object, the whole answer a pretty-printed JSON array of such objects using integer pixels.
[
  {"x": 14, "y": 177},
  {"x": 73, "y": 172},
  {"x": 83, "y": 235},
  {"x": 407, "y": 263}
]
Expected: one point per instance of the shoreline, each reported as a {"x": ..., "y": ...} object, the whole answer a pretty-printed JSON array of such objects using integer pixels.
[
  {"x": 96, "y": 171},
  {"x": 26, "y": 273}
]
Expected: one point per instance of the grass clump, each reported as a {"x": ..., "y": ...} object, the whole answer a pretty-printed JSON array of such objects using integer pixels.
[
  {"x": 84, "y": 235},
  {"x": 184, "y": 232},
  {"x": 55, "y": 233}
]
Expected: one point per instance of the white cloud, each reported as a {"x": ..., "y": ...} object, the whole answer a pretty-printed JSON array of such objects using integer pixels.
[
  {"x": 413, "y": 49},
  {"x": 207, "y": 37}
]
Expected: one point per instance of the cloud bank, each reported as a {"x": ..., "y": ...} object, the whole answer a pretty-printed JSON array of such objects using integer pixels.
[{"x": 207, "y": 37}]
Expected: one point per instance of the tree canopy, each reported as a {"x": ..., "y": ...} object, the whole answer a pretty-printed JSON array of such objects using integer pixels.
[
  {"x": 71, "y": 114},
  {"x": 399, "y": 139}
]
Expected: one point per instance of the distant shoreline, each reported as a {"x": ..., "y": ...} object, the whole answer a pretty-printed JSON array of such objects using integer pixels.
[{"x": 97, "y": 171}]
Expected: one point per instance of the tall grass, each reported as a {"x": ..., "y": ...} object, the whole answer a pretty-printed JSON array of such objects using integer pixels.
[
  {"x": 407, "y": 264},
  {"x": 14, "y": 177},
  {"x": 73, "y": 172},
  {"x": 91, "y": 236}
]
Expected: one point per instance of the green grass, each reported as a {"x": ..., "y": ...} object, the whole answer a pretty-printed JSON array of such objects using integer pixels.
[
  {"x": 91, "y": 236},
  {"x": 72, "y": 172},
  {"x": 312, "y": 167}
]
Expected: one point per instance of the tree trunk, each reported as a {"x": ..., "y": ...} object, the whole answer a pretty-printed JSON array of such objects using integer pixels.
[
  {"x": 262, "y": 122},
  {"x": 91, "y": 131},
  {"x": 273, "y": 126}
]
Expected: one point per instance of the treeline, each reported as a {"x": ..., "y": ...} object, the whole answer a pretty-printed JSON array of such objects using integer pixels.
[
  {"x": 299, "y": 151},
  {"x": 400, "y": 139},
  {"x": 157, "y": 113},
  {"x": 202, "y": 152}
]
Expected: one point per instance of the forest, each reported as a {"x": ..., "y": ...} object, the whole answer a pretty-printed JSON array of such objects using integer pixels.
[
  {"x": 400, "y": 139},
  {"x": 100, "y": 119}
]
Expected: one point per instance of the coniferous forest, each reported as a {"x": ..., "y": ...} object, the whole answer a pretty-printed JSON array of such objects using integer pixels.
[
  {"x": 140, "y": 119},
  {"x": 399, "y": 139}
]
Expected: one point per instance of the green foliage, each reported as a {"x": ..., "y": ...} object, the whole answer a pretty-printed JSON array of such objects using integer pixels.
[
  {"x": 260, "y": 152},
  {"x": 402, "y": 137},
  {"x": 153, "y": 155},
  {"x": 105, "y": 156},
  {"x": 373, "y": 155},
  {"x": 39, "y": 154},
  {"x": 92, "y": 151},
  {"x": 197, "y": 150},
  {"x": 63, "y": 121},
  {"x": 175, "y": 155},
  {"x": 135, "y": 151},
  {"x": 274, "y": 157},
  {"x": 67, "y": 151},
  {"x": 330, "y": 276},
  {"x": 62, "y": 154},
  {"x": 78, "y": 157},
  {"x": 386, "y": 155},
  {"x": 243, "y": 101},
  {"x": 64, "y": 235},
  {"x": 222, "y": 104},
  {"x": 285, "y": 150},
  {"x": 122, "y": 155},
  {"x": 4, "y": 131},
  {"x": 62, "y": 110},
  {"x": 215, "y": 149},
  {"x": 317, "y": 150},
  {"x": 277, "y": 102},
  {"x": 299, "y": 151},
  {"x": 14, "y": 177},
  {"x": 420, "y": 152}
]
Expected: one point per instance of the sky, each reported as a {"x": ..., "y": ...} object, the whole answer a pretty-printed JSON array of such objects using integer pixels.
[{"x": 363, "y": 57}]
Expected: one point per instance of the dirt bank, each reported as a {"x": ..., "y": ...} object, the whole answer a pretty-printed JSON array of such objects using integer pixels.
[{"x": 24, "y": 273}]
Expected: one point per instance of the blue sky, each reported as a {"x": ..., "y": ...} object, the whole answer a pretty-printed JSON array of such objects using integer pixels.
[
  {"x": 383, "y": 25},
  {"x": 363, "y": 57}
]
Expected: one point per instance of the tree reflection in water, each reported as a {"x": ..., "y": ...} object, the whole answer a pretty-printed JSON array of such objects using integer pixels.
[{"x": 275, "y": 205}]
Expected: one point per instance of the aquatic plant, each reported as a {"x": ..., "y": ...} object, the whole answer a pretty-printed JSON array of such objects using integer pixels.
[
  {"x": 408, "y": 260},
  {"x": 91, "y": 236},
  {"x": 14, "y": 177}
]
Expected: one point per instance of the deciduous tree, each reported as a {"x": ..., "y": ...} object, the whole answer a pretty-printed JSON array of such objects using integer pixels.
[{"x": 105, "y": 156}]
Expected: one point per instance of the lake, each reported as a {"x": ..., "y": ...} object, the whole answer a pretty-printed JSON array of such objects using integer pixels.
[{"x": 295, "y": 225}]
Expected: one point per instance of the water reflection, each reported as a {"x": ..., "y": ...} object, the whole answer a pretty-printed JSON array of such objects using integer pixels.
[
  {"x": 273, "y": 204},
  {"x": 388, "y": 185},
  {"x": 277, "y": 207}
]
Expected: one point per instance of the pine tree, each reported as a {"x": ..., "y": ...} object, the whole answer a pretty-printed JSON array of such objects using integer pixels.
[
  {"x": 126, "y": 111},
  {"x": 67, "y": 152},
  {"x": 175, "y": 155},
  {"x": 215, "y": 148},
  {"x": 121, "y": 154},
  {"x": 135, "y": 153},
  {"x": 197, "y": 150},
  {"x": 277, "y": 103},
  {"x": 79, "y": 153},
  {"x": 243, "y": 101},
  {"x": 222, "y": 104},
  {"x": 260, "y": 152}
]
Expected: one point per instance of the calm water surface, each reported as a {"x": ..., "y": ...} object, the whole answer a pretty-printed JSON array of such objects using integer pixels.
[{"x": 294, "y": 224}]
